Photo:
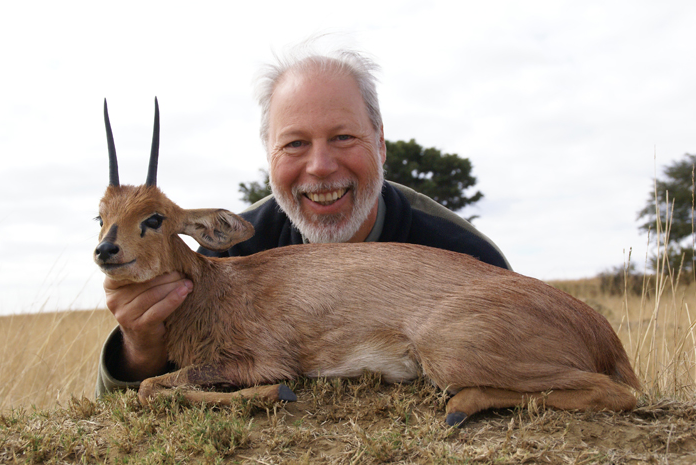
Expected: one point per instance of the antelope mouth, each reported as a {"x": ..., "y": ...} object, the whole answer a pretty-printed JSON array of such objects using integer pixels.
[
  {"x": 326, "y": 198},
  {"x": 114, "y": 266}
]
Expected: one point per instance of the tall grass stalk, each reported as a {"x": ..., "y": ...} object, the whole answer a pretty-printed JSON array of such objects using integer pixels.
[{"x": 665, "y": 356}]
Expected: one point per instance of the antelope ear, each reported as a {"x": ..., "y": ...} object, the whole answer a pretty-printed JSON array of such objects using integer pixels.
[{"x": 216, "y": 229}]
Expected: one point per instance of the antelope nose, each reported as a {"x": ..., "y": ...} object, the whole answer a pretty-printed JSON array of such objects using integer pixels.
[{"x": 106, "y": 250}]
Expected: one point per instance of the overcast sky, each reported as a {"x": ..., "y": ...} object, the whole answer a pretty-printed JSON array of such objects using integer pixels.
[{"x": 564, "y": 108}]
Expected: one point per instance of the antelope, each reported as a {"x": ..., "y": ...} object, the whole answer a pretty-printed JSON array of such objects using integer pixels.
[{"x": 490, "y": 337}]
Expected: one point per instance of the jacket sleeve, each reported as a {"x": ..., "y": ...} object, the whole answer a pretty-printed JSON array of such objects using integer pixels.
[{"x": 105, "y": 381}]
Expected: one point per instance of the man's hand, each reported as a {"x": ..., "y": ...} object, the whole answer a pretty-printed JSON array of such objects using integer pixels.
[{"x": 140, "y": 309}]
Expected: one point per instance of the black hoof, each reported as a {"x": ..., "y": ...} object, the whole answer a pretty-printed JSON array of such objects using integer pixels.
[
  {"x": 456, "y": 419},
  {"x": 284, "y": 393}
]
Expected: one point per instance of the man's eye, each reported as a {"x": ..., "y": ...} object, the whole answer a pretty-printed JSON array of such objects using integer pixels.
[
  {"x": 344, "y": 137},
  {"x": 296, "y": 144}
]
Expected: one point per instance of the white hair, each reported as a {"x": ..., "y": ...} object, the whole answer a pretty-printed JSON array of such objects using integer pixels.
[{"x": 304, "y": 58}]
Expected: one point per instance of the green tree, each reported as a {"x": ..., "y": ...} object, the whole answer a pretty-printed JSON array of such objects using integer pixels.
[
  {"x": 255, "y": 191},
  {"x": 674, "y": 197},
  {"x": 442, "y": 177}
]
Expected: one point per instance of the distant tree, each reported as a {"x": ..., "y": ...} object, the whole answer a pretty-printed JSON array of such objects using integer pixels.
[
  {"x": 442, "y": 177},
  {"x": 620, "y": 279},
  {"x": 255, "y": 191},
  {"x": 675, "y": 200}
]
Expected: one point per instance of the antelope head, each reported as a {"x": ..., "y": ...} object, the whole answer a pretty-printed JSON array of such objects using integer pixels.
[{"x": 140, "y": 225}]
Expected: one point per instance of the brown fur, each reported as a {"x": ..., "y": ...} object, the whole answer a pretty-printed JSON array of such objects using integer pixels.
[{"x": 404, "y": 310}]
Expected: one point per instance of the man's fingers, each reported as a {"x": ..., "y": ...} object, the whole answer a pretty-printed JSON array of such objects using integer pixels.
[
  {"x": 156, "y": 294},
  {"x": 133, "y": 301},
  {"x": 144, "y": 334},
  {"x": 165, "y": 306}
]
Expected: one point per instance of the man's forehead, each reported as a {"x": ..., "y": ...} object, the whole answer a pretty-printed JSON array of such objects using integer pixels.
[{"x": 322, "y": 90}]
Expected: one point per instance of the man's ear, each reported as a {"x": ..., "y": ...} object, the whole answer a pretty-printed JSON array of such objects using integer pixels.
[
  {"x": 216, "y": 229},
  {"x": 382, "y": 146}
]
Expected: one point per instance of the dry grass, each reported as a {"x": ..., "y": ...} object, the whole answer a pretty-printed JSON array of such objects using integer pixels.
[
  {"x": 341, "y": 422},
  {"x": 47, "y": 358}
]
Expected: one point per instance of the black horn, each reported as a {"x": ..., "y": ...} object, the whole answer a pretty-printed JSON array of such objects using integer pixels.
[
  {"x": 113, "y": 164},
  {"x": 154, "y": 151}
]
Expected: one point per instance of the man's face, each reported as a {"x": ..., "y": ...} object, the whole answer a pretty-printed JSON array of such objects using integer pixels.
[{"x": 325, "y": 157}]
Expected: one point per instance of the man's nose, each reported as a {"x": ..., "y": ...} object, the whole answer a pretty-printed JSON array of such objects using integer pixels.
[{"x": 322, "y": 161}]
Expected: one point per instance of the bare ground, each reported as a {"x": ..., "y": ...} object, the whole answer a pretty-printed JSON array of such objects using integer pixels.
[{"x": 343, "y": 421}]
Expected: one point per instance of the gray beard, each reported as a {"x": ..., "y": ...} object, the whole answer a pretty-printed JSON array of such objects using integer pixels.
[{"x": 339, "y": 227}]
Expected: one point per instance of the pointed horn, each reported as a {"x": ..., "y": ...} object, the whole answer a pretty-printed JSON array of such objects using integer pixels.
[
  {"x": 113, "y": 164},
  {"x": 154, "y": 152}
]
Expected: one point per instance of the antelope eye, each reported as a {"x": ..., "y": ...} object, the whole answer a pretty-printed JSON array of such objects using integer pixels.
[
  {"x": 99, "y": 219},
  {"x": 154, "y": 222}
]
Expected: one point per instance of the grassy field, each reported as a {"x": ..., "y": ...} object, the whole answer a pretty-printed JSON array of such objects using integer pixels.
[
  {"x": 47, "y": 358},
  {"x": 49, "y": 415}
]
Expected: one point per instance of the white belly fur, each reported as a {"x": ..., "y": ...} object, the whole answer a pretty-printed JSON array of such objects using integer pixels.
[{"x": 366, "y": 357}]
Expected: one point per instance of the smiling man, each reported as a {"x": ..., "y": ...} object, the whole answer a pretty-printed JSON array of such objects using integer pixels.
[
  {"x": 324, "y": 138},
  {"x": 325, "y": 155}
]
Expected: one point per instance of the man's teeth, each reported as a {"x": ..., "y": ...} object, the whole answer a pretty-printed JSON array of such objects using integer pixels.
[{"x": 328, "y": 197}]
